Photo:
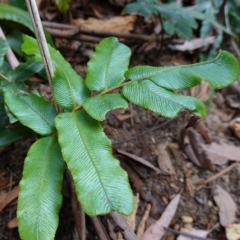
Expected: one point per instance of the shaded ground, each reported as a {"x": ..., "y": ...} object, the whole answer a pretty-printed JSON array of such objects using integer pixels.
[{"x": 132, "y": 131}]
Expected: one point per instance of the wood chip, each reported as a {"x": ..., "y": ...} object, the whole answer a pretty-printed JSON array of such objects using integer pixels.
[
  {"x": 233, "y": 231},
  {"x": 142, "y": 224},
  {"x": 164, "y": 161},
  {"x": 156, "y": 230},
  {"x": 220, "y": 154},
  {"x": 131, "y": 219},
  {"x": 13, "y": 223},
  {"x": 226, "y": 205},
  {"x": 195, "y": 232}
]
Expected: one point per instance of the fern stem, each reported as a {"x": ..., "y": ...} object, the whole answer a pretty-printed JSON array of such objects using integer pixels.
[
  {"x": 102, "y": 93},
  {"x": 4, "y": 78}
]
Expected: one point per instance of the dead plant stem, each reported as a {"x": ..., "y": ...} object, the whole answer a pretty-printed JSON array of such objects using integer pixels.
[{"x": 201, "y": 184}]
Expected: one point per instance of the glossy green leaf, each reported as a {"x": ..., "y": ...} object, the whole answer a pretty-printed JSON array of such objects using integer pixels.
[
  {"x": 3, "y": 50},
  {"x": 8, "y": 12},
  {"x": 63, "y": 5},
  {"x": 19, "y": 4},
  {"x": 160, "y": 100},
  {"x": 107, "y": 65},
  {"x": 11, "y": 13},
  {"x": 10, "y": 135},
  {"x": 219, "y": 73},
  {"x": 32, "y": 111},
  {"x": 15, "y": 42},
  {"x": 40, "y": 197},
  {"x": 101, "y": 184},
  {"x": 24, "y": 70},
  {"x": 98, "y": 106},
  {"x": 69, "y": 89}
]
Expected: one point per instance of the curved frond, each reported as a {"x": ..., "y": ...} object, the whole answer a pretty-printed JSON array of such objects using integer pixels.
[
  {"x": 107, "y": 65},
  {"x": 101, "y": 184},
  {"x": 69, "y": 89},
  {"x": 219, "y": 73},
  {"x": 98, "y": 106},
  {"x": 162, "y": 101},
  {"x": 32, "y": 111},
  {"x": 40, "y": 195}
]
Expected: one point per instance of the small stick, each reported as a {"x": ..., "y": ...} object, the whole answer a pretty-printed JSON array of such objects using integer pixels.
[
  {"x": 99, "y": 228},
  {"x": 36, "y": 21},
  {"x": 186, "y": 234},
  {"x": 12, "y": 60},
  {"x": 78, "y": 213},
  {"x": 201, "y": 184},
  {"x": 122, "y": 224}
]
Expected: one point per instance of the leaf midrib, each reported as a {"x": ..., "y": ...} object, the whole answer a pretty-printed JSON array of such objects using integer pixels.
[
  {"x": 37, "y": 113},
  {"x": 90, "y": 157},
  {"x": 42, "y": 188}
]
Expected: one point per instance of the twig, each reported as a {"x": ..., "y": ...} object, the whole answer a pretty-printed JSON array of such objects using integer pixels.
[
  {"x": 11, "y": 58},
  {"x": 133, "y": 36},
  {"x": 36, "y": 21},
  {"x": 99, "y": 229},
  {"x": 145, "y": 132},
  {"x": 122, "y": 224},
  {"x": 201, "y": 184},
  {"x": 78, "y": 213},
  {"x": 192, "y": 236}
]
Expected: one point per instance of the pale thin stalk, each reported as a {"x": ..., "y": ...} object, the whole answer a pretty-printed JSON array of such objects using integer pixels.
[
  {"x": 36, "y": 21},
  {"x": 12, "y": 60}
]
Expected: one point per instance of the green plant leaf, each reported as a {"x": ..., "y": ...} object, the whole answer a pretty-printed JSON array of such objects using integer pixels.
[
  {"x": 220, "y": 72},
  {"x": 19, "y": 4},
  {"x": 15, "y": 42},
  {"x": 101, "y": 184},
  {"x": 177, "y": 17},
  {"x": 69, "y": 89},
  {"x": 24, "y": 70},
  {"x": 10, "y": 135},
  {"x": 3, "y": 50},
  {"x": 107, "y": 65},
  {"x": 98, "y": 106},
  {"x": 63, "y": 5},
  {"x": 162, "y": 101},
  {"x": 142, "y": 7},
  {"x": 32, "y": 111},
  {"x": 10, "y": 13},
  {"x": 40, "y": 197}
]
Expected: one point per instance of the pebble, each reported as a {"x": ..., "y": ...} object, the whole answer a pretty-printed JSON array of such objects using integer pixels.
[{"x": 187, "y": 219}]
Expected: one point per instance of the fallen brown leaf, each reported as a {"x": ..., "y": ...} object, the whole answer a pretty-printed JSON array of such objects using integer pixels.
[
  {"x": 140, "y": 160},
  {"x": 156, "y": 230},
  {"x": 131, "y": 219},
  {"x": 164, "y": 160},
  {"x": 143, "y": 221},
  {"x": 233, "y": 231},
  {"x": 123, "y": 24},
  {"x": 198, "y": 150},
  {"x": 226, "y": 205},
  {"x": 219, "y": 154},
  {"x": 6, "y": 198},
  {"x": 12, "y": 223}
]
